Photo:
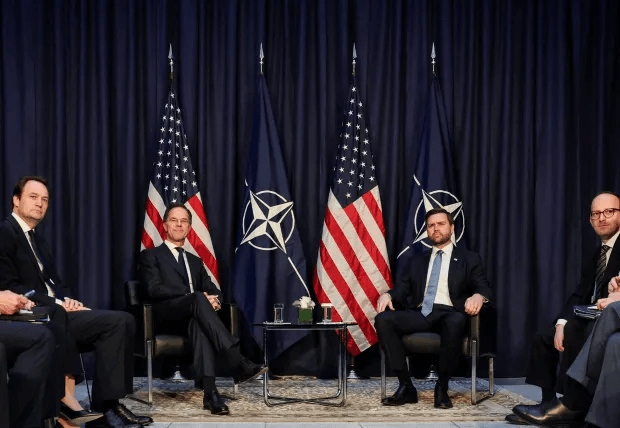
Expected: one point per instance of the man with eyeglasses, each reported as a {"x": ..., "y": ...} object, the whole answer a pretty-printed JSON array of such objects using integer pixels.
[{"x": 571, "y": 332}]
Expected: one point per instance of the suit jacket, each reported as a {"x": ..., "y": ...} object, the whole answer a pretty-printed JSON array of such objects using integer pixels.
[
  {"x": 19, "y": 270},
  {"x": 163, "y": 277},
  {"x": 466, "y": 277},
  {"x": 584, "y": 290}
]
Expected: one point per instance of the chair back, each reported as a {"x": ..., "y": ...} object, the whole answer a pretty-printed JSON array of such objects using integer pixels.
[{"x": 133, "y": 294}]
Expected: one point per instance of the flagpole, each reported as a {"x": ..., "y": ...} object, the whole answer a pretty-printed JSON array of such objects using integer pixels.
[{"x": 351, "y": 375}]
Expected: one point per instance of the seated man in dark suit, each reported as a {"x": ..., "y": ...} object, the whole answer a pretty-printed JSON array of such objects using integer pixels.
[
  {"x": 570, "y": 331},
  {"x": 437, "y": 292},
  {"x": 594, "y": 375},
  {"x": 26, "y": 354},
  {"x": 186, "y": 301},
  {"x": 26, "y": 264}
]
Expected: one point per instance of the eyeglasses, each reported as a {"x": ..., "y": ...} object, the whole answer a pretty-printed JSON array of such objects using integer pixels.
[{"x": 607, "y": 213}]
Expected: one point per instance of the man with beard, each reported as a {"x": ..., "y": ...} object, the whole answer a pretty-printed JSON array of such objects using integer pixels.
[{"x": 436, "y": 293}]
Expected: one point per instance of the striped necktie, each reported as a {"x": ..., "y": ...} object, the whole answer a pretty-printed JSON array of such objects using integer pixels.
[{"x": 601, "y": 264}]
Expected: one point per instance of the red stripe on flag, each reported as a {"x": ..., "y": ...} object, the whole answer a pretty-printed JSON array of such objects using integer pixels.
[
  {"x": 337, "y": 279},
  {"x": 204, "y": 253},
  {"x": 153, "y": 214},
  {"x": 372, "y": 249},
  {"x": 199, "y": 209},
  {"x": 146, "y": 240},
  {"x": 374, "y": 209},
  {"x": 352, "y": 346}
]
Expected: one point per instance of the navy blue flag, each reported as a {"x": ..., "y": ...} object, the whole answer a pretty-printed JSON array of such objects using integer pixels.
[
  {"x": 434, "y": 183},
  {"x": 270, "y": 266}
]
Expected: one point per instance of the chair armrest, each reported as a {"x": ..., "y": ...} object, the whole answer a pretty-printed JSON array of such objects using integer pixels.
[
  {"x": 474, "y": 328},
  {"x": 147, "y": 319}
]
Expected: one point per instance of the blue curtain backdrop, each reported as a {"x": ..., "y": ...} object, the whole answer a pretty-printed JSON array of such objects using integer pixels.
[{"x": 531, "y": 90}]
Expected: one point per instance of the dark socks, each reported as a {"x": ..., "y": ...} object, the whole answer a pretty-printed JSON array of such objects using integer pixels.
[
  {"x": 208, "y": 384},
  {"x": 443, "y": 383},
  {"x": 548, "y": 394},
  {"x": 404, "y": 378},
  {"x": 105, "y": 405}
]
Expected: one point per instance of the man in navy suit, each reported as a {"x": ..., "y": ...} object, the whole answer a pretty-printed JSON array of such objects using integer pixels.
[
  {"x": 185, "y": 300},
  {"x": 594, "y": 373},
  {"x": 25, "y": 346},
  {"x": 26, "y": 264},
  {"x": 436, "y": 293},
  {"x": 571, "y": 332}
]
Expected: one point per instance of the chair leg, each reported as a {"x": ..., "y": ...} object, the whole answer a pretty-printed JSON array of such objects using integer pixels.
[
  {"x": 383, "y": 380},
  {"x": 90, "y": 400},
  {"x": 474, "y": 366},
  {"x": 149, "y": 370},
  {"x": 491, "y": 376}
]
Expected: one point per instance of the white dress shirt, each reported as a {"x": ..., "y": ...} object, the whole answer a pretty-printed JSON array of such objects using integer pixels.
[{"x": 442, "y": 296}]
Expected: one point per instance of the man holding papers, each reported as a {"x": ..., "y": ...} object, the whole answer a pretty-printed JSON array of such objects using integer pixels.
[{"x": 571, "y": 332}]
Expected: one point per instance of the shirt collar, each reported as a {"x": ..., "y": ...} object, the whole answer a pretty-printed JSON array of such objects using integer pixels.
[
  {"x": 447, "y": 250},
  {"x": 22, "y": 223},
  {"x": 612, "y": 241},
  {"x": 171, "y": 246}
]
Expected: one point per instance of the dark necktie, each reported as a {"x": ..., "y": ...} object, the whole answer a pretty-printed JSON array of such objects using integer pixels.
[
  {"x": 431, "y": 290},
  {"x": 601, "y": 264},
  {"x": 46, "y": 265},
  {"x": 181, "y": 261}
]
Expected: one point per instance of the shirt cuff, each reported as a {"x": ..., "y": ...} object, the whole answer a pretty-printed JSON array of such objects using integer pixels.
[{"x": 561, "y": 321}]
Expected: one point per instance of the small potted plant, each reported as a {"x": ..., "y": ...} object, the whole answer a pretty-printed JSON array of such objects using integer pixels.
[{"x": 304, "y": 309}]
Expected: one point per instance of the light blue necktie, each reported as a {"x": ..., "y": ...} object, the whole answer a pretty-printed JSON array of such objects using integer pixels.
[{"x": 431, "y": 291}]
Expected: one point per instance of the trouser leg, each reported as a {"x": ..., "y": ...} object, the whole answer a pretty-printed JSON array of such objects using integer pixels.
[
  {"x": 29, "y": 351},
  {"x": 107, "y": 332},
  {"x": 543, "y": 363},
  {"x": 391, "y": 326},
  {"x": 604, "y": 410},
  {"x": 452, "y": 326}
]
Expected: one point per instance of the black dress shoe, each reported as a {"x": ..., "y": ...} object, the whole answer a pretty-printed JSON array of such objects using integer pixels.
[
  {"x": 549, "y": 413},
  {"x": 122, "y": 411},
  {"x": 212, "y": 401},
  {"x": 111, "y": 420},
  {"x": 404, "y": 394},
  {"x": 442, "y": 399},
  {"x": 248, "y": 370},
  {"x": 515, "y": 420},
  {"x": 77, "y": 417}
]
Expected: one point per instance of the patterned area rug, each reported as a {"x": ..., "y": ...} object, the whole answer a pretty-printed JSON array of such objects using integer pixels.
[{"x": 181, "y": 402}]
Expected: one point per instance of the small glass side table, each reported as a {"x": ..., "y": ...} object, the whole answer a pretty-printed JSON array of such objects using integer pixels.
[{"x": 338, "y": 327}]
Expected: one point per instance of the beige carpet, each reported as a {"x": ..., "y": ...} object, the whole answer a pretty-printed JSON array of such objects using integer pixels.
[{"x": 180, "y": 402}]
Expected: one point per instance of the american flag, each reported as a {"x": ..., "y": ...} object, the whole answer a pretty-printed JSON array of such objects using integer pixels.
[
  {"x": 353, "y": 268},
  {"x": 174, "y": 181}
]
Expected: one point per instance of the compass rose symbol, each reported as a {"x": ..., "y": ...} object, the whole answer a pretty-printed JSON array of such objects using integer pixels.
[{"x": 267, "y": 221}]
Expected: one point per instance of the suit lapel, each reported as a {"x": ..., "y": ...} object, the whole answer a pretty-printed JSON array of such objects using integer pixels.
[
  {"x": 170, "y": 259},
  {"x": 455, "y": 267},
  {"x": 613, "y": 265},
  {"x": 22, "y": 241}
]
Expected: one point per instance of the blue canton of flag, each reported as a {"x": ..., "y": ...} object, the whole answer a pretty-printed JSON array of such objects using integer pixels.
[
  {"x": 434, "y": 183},
  {"x": 270, "y": 266}
]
